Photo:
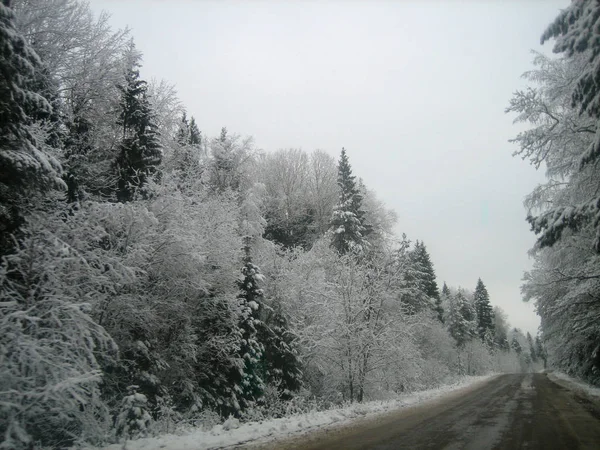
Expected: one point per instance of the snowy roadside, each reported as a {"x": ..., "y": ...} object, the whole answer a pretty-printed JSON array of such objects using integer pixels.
[
  {"x": 232, "y": 433},
  {"x": 575, "y": 385}
]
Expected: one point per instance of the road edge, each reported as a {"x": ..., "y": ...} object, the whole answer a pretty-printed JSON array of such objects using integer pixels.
[{"x": 432, "y": 396}]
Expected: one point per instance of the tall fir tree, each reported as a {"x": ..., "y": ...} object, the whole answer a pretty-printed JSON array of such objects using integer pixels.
[
  {"x": 195, "y": 134},
  {"x": 426, "y": 278},
  {"x": 186, "y": 158},
  {"x": 140, "y": 152},
  {"x": 281, "y": 361},
  {"x": 346, "y": 222},
  {"x": 27, "y": 170},
  {"x": 445, "y": 290},
  {"x": 225, "y": 171},
  {"x": 251, "y": 351},
  {"x": 483, "y": 310},
  {"x": 183, "y": 133}
]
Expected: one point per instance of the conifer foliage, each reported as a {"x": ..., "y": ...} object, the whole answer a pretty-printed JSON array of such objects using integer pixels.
[
  {"x": 460, "y": 321},
  {"x": 128, "y": 306},
  {"x": 483, "y": 310},
  {"x": 575, "y": 30},
  {"x": 251, "y": 351},
  {"x": 26, "y": 169},
  {"x": 140, "y": 152},
  {"x": 348, "y": 230},
  {"x": 425, "y": 278}
]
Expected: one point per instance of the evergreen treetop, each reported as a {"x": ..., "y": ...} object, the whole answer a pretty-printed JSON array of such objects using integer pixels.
[
  {"x": 346, "y": 223},
  {"x": 141, "y": 152},
  {"x": 483, "y": 309}
]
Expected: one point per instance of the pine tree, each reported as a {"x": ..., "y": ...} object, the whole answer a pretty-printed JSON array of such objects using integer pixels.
[
  {"x": 140, "y": 152},
  {"x": 251, "y": 305},
  {"x": 183, "y": 133},
  {"x": 27, "y": 170},
  {"x": 133, "y": 419},
  {"x": 426, "y": 278},
  {"x": 195, "y": 135},
  {"x": 77, "y": 146},
  {"x": 346, "y": 225},
  {"x": 226, "y": 170},
  {"x": 483, "y": 309},
  {"x": 445, "y": 290},
  {"x": 281, "y": 361}
]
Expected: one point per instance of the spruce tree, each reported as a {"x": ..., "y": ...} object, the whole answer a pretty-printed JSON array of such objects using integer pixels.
[
  {"x": 426, "y": 278},
  {"x": 195, "y": 137},
  {"x": 445, "y": 290},
  {"x": 183, "y": 133},
  {"x": 251, "y": 351},
  {"x": 346, "y": 225},
  {"x": 483, "y": 309},
  {"x": 225, "y": 170},
  {"x": 140, "y": 152},
  {"x": 26, "y": 170},
  {"x": 281, "y": 361}
]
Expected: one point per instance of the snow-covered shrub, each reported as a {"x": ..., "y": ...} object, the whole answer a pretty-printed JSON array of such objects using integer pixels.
[
  {"x": 49, "y": 346},
  {"x": 475, "y": 358},
  {"x": 133, "y": 419}
]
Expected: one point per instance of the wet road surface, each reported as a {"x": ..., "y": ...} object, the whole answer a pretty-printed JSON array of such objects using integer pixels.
[{"x": 520, "y": 411}]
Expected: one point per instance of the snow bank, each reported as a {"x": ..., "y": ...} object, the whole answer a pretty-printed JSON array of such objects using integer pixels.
[
  {"x": 232, "y": 432},
  {"x": 575, "y": 384}
]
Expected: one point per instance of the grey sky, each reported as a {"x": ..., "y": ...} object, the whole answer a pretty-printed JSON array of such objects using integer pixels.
[{"x": 415, "y": 91}]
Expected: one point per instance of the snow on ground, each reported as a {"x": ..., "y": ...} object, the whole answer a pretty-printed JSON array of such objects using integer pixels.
[
  {"x": 231, "y": 432},
  {"x": 574, "y": 384}
]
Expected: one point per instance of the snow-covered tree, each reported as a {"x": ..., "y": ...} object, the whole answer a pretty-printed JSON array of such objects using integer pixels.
[
  {"x": 574, "y": 31},
  {"x": 52, "y": 351},
  {"x": 231, "y": 158},
  {"x": 483, "y": 310},
  {"x": 83, "y": 59},
  {"x": 540, "y": 350},
  {"x": 516, "y": 345},
  {"x": 322, "y": 189},
  {"x": 140, "y": 150},
  {"x": 251, "y": 351},
  {"x": 423, "y": 278},
  {"x": 28, "y": 169},
  {"x": 346, "y": 224},
  {"x": 133, "y": 419},
  {"x": 461, "y": 319},
  {"x": 286, "y": 179}
]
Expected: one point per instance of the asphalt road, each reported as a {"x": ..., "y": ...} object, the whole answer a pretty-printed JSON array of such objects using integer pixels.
[{"x": 521, "y": 411}]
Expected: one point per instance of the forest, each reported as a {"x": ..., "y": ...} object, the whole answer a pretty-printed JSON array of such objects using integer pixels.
[
  {"x": 561, "y": 107},
  {"x": 152, "y": 275}
]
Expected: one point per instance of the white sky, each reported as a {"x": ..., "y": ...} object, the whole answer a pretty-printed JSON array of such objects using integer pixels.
[{"x": 414, "y": 90}]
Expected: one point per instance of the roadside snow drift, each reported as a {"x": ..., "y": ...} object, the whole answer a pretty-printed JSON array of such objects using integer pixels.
[{"x": 232, "y": 432}]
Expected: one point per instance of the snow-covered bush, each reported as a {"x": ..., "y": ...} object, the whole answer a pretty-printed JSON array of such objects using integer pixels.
[
  {"x": 49, "y": 346},
  {"x": 133, "y": 419}
]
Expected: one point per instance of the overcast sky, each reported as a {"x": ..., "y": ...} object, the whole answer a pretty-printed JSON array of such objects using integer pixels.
[{"x": 414, "y": 90}]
